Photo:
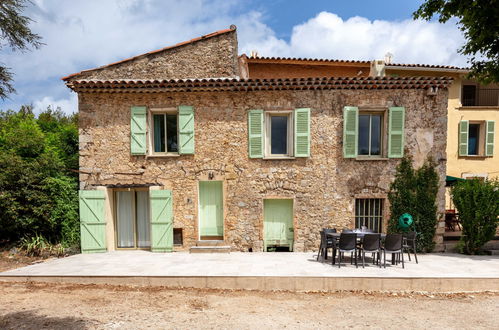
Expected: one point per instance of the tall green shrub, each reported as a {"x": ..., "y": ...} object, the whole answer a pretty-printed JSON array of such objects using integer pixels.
[
  {"x": 415, "y": 192},
  {"x": 477, "y": 202}
]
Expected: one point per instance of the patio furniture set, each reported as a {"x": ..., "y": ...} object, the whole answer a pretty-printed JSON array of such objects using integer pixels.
[{"x": 358, "y": 242}]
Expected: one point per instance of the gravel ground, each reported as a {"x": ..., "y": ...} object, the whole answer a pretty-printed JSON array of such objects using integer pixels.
[{"x": 58, "y": 306}]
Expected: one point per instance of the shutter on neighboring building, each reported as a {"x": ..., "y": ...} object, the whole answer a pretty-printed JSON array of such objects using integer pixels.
[
  {"x": 138, "y": 144},
  {"x": 255, "y": 133},
  {"x": 161, "y": 220},
  {"x": 489, "y": 146},
  {"x": 186, "y": 129},
  {"x": 302, "y": 132},
  {"x": 463, "y": 137},
  {"x": 396, "y": 119},
  {"x": 92, "y": 221},
  {"x": 350, "y": 131}
]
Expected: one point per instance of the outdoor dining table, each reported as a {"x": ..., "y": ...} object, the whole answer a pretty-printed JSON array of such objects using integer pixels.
[{"x": 360, "y": 236}]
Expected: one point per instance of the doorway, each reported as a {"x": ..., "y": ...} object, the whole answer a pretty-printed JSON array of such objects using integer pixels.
[
  {"x": 211, "y": 223},
  {"x": 133, "y": 224},
  {"x": 278, "y": 224}
]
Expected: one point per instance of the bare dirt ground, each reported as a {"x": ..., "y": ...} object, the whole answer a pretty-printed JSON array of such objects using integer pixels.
[
  {"x": 15, "y": 260},
  {"x": 58, "y": 306}
]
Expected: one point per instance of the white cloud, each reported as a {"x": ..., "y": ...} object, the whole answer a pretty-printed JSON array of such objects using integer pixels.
[
  {"x": 69, "y": 105},
  {"x": 80, "y": 35},
  {"x": 329, "y": 36}
]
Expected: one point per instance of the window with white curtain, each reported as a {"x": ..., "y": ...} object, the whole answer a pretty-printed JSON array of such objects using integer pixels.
[{"x": 133, "y": 225}]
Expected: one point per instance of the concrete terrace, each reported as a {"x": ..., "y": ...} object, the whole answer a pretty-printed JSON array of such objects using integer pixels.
[{"x": 266, "y": 271}]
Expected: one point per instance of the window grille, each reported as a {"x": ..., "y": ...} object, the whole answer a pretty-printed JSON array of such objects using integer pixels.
[{"x": 369, "y": 213}]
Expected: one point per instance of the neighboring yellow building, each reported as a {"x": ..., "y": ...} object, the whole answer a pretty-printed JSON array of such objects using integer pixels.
[{"x": 473, "y": 114}]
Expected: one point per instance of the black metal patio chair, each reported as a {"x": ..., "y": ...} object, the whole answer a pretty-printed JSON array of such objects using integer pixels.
[
  {"x": 326, "y": 242},
  {"x": 393, "y": 245},
  {"x": 409, "y": 243},
  {"x": 371, "y": 244},
  {"x": 347, "y": 243}
]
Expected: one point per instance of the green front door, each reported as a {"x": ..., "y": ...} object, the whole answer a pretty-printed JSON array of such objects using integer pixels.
[
  {"x": 278, "y": 223},
  {"x": 211, "y": 223}
]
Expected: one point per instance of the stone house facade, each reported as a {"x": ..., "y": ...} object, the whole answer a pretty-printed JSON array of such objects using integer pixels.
[{"x": 177, "y": 148}]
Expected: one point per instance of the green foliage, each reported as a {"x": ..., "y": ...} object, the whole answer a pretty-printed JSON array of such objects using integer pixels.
[
  {"x": 477, "y": 202},
  {"x": 14, "y": 32},
  {"x": 38, "y": 246},
  {"x": 38, "y": 192},
  {"x": 415, "y": 192},
  {"x": 479, "y": 20}
]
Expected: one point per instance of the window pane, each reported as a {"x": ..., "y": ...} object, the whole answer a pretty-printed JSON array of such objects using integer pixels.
[
  {"x": 364, "y": 134},
  {"x": 124, "y": 214},
  {"x": 171, "y": 133},
  {"x": 279, "y": 135},
  {"x": 474, "y": 133},
  {"x": 375, "y": 134},
  {"x": 159, "y": 133},
  {"x": 143, "y": 222}
]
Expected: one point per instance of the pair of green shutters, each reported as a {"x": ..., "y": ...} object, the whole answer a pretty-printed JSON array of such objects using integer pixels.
[
  {"x": 396, "y": 119},
  {"x": 464, "y": 126},
  {"x": 93, "y": 221},
  {"x": 256, "y": 130},
  {"x": 138, "y": 129}
]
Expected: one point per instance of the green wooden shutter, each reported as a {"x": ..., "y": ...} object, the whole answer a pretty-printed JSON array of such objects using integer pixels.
[
  {"x": 396, "y": 118},
  {"x": 161, "y": 220},
  {"x": 255, "y": 133},
  {"x": 350, "y": 131},
  {"x": 302, "y": 132},
  {"x": 138, "y": 144},
  {"x": 489, "y": 143},
  {"x": 463, "y": 137},
  {"x": 186, "y": 129},
  {"x": 92, "y": 221}
]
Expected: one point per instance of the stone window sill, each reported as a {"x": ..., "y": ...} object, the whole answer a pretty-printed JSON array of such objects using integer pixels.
[
  {"x": 480, "y": 107},
  {"x": 279, "y": 158},
  {"x": 371, "y": 158},
  {"x": 474, "y": 157},
  {"x": 163, "y": 156}
]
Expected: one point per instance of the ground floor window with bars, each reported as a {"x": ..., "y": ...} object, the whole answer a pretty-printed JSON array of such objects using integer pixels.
[{"x": 369, "y": 213}]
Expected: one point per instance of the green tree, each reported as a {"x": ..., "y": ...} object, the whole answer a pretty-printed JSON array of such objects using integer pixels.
[
  {"x": 415, "y": 192},
  {"x": 38, "y": 192},
  {"x": 16, "y": 35},
  {"x": 477, "y": 202},
  {"x": 479, "y": 20}
]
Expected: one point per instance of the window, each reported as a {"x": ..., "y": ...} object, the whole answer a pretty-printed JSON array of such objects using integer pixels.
[
  {"x": 375, "y": 132},
  {"x": 370, "y": 134},
  {"x": 279, "y": 134},
  {"x": 476, "y": 138},
  {"x": 178, "y": 236},
  {"x": 163, "y": 132},
  {"x": 369, "y": 213},
  {"x": 469, "y": 95}
]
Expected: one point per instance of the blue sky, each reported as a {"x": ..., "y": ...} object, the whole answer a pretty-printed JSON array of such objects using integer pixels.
[{"x": 81, "y": 34}]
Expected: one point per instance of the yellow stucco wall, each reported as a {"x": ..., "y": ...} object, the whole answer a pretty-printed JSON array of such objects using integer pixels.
[{"x": 471, "y": 165}]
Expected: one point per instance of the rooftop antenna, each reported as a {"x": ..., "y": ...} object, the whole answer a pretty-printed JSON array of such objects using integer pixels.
[{"x": 388, "y": 58}]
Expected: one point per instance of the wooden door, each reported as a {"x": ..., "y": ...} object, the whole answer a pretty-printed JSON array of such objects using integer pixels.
[
  {"x": 278, "y": 223},
  {"x": 211, "y": 224}
]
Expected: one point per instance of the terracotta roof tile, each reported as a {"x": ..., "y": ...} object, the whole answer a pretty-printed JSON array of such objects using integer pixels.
[
  {"x": 265, "y": 58},
  {"x": 217, "y": 33},
  {"x": 232, "y": 84}
]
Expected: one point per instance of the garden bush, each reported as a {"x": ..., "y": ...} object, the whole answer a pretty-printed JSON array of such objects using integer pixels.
[
  {"x": 415, "y": 192},
  {"x": 477, "y": 202}
]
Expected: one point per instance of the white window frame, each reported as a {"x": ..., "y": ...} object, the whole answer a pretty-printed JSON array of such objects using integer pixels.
[
  {"x": 384, "y": 131},
  {"x": 268, "y": 134},
  {"x": 150, "y": 130}
]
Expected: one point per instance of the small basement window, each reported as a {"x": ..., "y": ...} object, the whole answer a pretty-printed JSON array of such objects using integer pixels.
[
  {"x": 178, "y": 238},
  {"x": 369, "y": 213}
]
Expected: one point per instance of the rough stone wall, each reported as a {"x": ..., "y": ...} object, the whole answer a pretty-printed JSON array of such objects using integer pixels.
[
  {"x": 209, "y": 58},
  {"x": 268, "y": 70},
  {"x": 323, "y": 186}
]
